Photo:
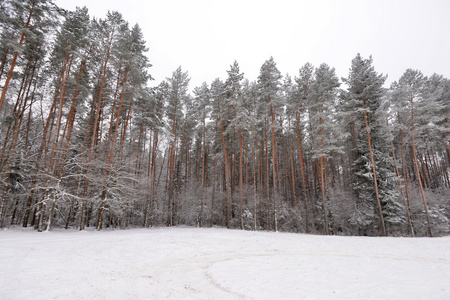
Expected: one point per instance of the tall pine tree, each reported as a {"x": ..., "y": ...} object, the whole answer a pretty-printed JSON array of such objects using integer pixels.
[{"x": 374, "y": 180}]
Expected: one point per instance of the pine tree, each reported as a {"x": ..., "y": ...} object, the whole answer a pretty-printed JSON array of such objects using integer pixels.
[
  {"x": 409, "y": 95},
  {"x": 221, "y": 114},
  {"x": 202, "y": 99},
  {"x": 178, "y": 92},
  {"x": 431, "y": 128},
  {"x": 445, "y": 123},
  {"x": 302, "y": 94},
  {"x": 235, "y": 101},
  {"x": 160, "y": 97},
  {"x": 109, "y": 31},
  {"x": 27, "y": 25},
  {"x": 324, "y": 129},
  {"x": 269, "y": 87},
  {"x": 26, "y": 14},
  {"x": 374, "y": 181}
]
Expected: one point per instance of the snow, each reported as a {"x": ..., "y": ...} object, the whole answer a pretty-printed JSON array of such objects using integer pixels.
[{"x": 215, "y": 263}]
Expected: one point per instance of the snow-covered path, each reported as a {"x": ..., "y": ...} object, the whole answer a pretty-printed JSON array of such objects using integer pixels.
[{"x": 191, "y": 263}]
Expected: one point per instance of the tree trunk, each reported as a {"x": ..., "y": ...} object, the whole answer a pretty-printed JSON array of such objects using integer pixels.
[
  {"x": 18, "y": 105},
  {"x": 122, "y": 138},
  {"x": 2, "y": 66},
  {"x": 274, "y": 173},
  {"x": 382, "y": 227},
  {"x": 255, "y": 196},
  {"x": 322, "y": 188},
  {"x": 407, "y": 207},
  {"x": 417, "y": 168},
  {"x": 227, "y": 175},
  {"x": 404, "y": 173},
  {"x": 94, "y": 134},
  {"x": 302, "y": 172},
  {"x": 11, "y": 158},
  {"x": 11, "y": 69},
  {"x": 292, "y": 167},
  {"x": 435, "y": 167},
  {"x": 66, "y": 70},
  {"x": 214, "y": 180},
  {"x": 110, "y": 148},
  {"x": 241, "y": 183},
  {"x": 203, "y": 169},
  {"x": 267, "y": 177}
]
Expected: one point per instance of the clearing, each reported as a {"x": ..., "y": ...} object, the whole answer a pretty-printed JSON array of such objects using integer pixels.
[{"x": 215, "y": 263}]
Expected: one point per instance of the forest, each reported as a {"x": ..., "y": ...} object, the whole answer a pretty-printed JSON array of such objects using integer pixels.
[{"x": 87, "y": 141}]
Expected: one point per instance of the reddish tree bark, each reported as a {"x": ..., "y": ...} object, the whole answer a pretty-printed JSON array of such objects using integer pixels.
[{"x": 16, "y": 54}]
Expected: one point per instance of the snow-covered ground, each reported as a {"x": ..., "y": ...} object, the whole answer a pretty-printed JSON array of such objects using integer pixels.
[{"x": 191, "y": 263}]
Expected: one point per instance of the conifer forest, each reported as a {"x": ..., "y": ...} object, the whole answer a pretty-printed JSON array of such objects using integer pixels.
[{"x": 89, "y": 139}]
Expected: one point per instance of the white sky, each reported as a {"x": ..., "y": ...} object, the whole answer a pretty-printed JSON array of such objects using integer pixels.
[{"x": 206, "y": 36}]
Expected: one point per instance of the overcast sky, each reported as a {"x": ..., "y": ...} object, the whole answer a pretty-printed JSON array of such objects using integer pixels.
[{"x": 206, "y": 36}]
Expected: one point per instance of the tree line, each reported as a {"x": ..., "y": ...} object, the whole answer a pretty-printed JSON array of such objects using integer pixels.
[{"x": 86, "y": 142}]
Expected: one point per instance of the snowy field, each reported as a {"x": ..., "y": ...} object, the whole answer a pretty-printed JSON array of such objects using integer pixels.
[{"x": 191, "y": 263}]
